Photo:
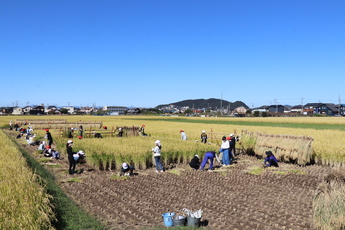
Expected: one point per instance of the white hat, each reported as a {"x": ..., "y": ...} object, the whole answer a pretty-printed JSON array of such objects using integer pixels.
[
  {"x": 197, "y": 156},
  {"x": 231, "y": 135},
  {"x": 69, "y": 141},
  {"x": 124, "y": 165},
  {"x": 203, "y": 131},
  {"x": 81, "y": 152}
]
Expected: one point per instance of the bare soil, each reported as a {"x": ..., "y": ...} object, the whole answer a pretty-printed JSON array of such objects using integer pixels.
[{"x": 230, "y": 197}]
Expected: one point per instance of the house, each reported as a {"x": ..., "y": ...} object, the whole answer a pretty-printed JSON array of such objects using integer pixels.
[
  {"x": 309, "y": 108},
  {"x": 17, "y": 111},
  {"x": 240, "y": 110},
  {"x": 115, "y": 110},
  {"x": 37, "y": 110},
  {"x": 26, "y": 110},
  {"x": 276, "y": 109},
  {"x": 51, "y": 109},
  {"x": 296, "y": 109},
  {"x": 327, "y": 109},
  {"x": 6, "y": 110},
  {"x": 86, "y": 110},
  {"x": 133, "y": 111},
  {"x": 70, "y": 109},
  {"x": 263, "y": 108}
]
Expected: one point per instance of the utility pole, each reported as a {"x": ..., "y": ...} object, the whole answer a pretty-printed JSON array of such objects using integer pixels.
[
  {"x": 302, "y": 106},
  {"x": 276, "y": 102},
  {"x": 339, "y": 106}
]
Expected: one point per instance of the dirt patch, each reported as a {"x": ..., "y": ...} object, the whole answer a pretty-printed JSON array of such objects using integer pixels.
[{"x": 240, "y": 196}]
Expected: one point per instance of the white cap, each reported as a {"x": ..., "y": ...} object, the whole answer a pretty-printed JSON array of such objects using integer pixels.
[
  {"x": 69, "y": 141},
  {"x": 231, "y": 135},
  {"x": 81, "y": 152},
  {"x": 197, "y": 156},
  {"x": 125, "y": 165},
  {"x": 203, "y": 131},
  {"x": 157, "y": 142}
]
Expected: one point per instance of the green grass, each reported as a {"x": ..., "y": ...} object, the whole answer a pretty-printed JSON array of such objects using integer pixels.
[
  {"x": 280, "y": 172},
  {"x": 54, "y": 166},
  {"x": 256, "y": 170},
  {"x": 69, "y": 215},
  {"x": 252, "y": 123}
]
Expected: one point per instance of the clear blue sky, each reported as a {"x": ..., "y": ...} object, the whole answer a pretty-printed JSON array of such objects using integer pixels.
[{"x": 143, "y": 53}]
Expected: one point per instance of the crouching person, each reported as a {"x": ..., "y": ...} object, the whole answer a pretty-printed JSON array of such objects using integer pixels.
[
  {"x": 127, "y": 169},
  {"x": 270, "y": 160},
  {"x": 195, "y": 162}
]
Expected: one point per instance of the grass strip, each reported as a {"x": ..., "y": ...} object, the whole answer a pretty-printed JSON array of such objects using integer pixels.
[
  {"x": 69, "y": 215},
  {"x": 253, "y": 123}
]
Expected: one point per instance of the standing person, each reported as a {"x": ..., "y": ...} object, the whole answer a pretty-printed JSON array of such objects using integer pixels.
[
  {"x": 49, "y": 137},
  {"x": 70, "y": 133},
  {"x": 203, "y": 137},
  {"x": 195, "y": 162},
  {"x": 157, "y": 155},
  {"x": 270, "y": 160},
  {"x": 210, "y": 155},
  {"x": 81, "y": 131},
  {"x": 224, "y": 148},
  {"x": 11, "y": 125},
  {"x": 233, "y": 148},
  {"x": 71, "y": 160},
  {"x": 183, "y": 135}
]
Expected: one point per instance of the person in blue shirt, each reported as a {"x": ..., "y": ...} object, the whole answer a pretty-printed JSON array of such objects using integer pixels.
[{"x": 270, "y": 160}]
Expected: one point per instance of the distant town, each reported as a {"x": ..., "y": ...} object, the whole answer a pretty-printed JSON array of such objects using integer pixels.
[{"x": 309, "y": 109}]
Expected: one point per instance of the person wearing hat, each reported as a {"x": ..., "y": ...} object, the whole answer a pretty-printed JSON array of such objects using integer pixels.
[
  {"x": 270, "y": 160},
  {"x": 210, "y": 155},
  {"x": 72, "y": 162},
  {"x": 224, "y": 149},
  {"x": 127, "y": 169},
  {"x": 203, "y": 137},
  {"x": 195, "y": 162},
  {"x": 183, "y": 135},
  {"x": 49, "y": 137},
  {"x": 120, "y": 133},
  {"x": 157, "y": 155}
]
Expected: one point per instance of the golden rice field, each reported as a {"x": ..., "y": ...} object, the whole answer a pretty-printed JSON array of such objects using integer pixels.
[
  {"x": 328, "y": 144},
  {"x": 24, "y": 202}
]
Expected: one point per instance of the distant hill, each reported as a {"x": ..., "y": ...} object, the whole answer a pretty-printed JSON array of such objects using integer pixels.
[{"x": 212, "y": 103}]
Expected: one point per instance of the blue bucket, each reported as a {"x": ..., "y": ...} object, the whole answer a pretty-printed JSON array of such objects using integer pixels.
[{"x": 168, "y": 219}]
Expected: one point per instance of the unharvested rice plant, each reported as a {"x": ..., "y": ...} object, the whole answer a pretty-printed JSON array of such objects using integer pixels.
[
  {"x": 25, "y": 203},
  {"x": 241, "y": 196}
]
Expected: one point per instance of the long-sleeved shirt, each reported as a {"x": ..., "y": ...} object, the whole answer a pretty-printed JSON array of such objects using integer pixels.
[
  {"x": 156, "y": 151},
  {"x": 269, "y": 160}
]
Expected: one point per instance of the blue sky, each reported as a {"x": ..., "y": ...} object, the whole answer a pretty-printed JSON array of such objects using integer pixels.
[{"x": 143, "y": 53}]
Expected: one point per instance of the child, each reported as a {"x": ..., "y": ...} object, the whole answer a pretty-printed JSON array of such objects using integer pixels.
[
  {"x": 270, "y": 160},
  {"x": 157, "y": 155},
  {"x": 203, "y": 137},
  {"x": 127, "y": 169},
  {"x": 195, "y": 162}
]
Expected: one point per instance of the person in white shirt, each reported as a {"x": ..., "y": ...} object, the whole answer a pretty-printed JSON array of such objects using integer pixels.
[
  {"x": 157, "y": 155},
  {"x": 183, "y": 135}
]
